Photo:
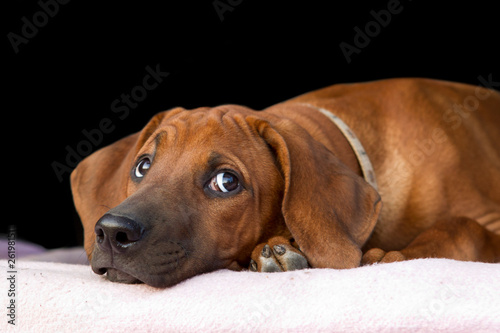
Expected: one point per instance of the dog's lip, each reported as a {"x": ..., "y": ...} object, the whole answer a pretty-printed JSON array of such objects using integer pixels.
[
  {"x": 117, "y": 272},
  {"x": 116, "y": 275}
]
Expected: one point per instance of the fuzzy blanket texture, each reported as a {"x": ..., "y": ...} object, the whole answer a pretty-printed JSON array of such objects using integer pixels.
[{"x": 428, "y": 295}]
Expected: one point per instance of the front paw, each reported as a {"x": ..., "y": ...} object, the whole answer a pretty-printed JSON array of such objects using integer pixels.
[
  {"x": 376, "y": 255},
  {"x": 277, "y": 255}
]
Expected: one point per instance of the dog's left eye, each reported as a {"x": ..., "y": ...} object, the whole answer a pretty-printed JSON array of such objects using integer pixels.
[
  {"x": 142, "y": 167},
  {"x": 224, "y": 182}
]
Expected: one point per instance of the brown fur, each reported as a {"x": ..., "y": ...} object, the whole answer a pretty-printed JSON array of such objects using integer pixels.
[{"x": 434, "y": 146}]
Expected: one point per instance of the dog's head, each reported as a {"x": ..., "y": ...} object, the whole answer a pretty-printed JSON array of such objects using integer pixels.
[{"x": 196, "y": 191}]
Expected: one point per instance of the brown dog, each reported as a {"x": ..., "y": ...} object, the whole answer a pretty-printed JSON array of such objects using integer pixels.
[{"x": 282, "y": 189}]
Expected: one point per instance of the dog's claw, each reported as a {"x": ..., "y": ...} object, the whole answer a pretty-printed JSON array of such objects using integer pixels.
[
  {"x": 266, "y": 251},
  {"x": 276, "y": 256},
  {"x": 279, "y": 249},
  {"x": 253, "y": 266}
]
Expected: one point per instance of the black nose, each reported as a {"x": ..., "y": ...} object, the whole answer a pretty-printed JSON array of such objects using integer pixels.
[{"x": 117, "y": 233}]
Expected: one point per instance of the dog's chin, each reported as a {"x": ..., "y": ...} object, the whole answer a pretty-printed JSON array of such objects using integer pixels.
[
  {"x": 157, "y": 281},
  {"x": 115, "y": 275}
]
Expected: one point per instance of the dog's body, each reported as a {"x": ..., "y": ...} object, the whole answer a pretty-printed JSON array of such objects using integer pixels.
[
  {"x": 264, "y": 184},
  {"x": 436, "y": 153}
]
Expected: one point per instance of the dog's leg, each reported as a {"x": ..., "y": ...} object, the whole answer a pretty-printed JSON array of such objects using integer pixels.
[
  {"x": 460, "y": 238},
  {"x": 277, "y": 255}
]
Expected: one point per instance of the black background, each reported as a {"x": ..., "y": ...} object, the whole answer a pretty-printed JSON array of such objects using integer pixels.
[{"x": 64, "y": 79}]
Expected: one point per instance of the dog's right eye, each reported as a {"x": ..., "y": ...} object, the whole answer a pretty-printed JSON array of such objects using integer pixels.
[
  {"x": 142, "y": 167},
  {"x": 224, "y": 182}
]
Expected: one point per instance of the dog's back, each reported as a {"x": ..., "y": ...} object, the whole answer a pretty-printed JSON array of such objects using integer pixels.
[{"x": 434, "y": 145}]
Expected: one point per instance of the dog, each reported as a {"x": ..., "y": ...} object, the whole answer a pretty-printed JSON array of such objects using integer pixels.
[{"x": 299, "y": 184}]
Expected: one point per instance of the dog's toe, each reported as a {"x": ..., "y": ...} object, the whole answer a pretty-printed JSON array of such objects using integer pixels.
[
  {"x": 276, "y": 256},
  {"x": 268, "y": 261},
  {"x": 253, "y": 266},
  {"x": 393, "y": 256},
  {"x": 266, "y": 251},
  {"x": 376, "y": 255},
  {"x": 289, "y": 257},
  {"x": 372, "y": 256},
  {"x": 263, "y": 260}
]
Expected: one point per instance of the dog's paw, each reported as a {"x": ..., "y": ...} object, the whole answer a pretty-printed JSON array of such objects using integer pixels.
[
  {"x": 277, "y": 255},
  {"x": 376, "y": 255}
]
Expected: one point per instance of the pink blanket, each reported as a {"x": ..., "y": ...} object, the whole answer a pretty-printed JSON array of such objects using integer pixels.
[{"x": 432, "y": 295}]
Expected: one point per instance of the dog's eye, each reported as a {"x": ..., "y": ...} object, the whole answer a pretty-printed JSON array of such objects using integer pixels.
[
  {"x": 224, "y": 182},
  {"x": 142, "y": 167}
]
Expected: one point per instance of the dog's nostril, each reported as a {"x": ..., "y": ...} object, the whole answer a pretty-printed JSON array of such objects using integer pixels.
[
  {"x": 121, "y": 237},
  {"x": 99, "y": 232},
  {"x": 100, "y": 235}
]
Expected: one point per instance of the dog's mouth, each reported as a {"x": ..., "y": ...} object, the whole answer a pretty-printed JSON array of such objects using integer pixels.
[
  {"x": 132, "y": 266},
  {"x": 115, "y": 275},
  {"x": 159, "y": 278}
]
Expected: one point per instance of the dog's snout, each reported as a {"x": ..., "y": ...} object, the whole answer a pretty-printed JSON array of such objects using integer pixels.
[{"x": 117, "y": 233}]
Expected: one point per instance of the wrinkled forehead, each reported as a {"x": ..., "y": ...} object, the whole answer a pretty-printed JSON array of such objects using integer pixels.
[{"x": 222, "y": 128}]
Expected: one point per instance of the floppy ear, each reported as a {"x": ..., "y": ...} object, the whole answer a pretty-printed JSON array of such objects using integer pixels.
[
  {"x": 99, "y": 182},
  {"x": 329, "y": 210}
]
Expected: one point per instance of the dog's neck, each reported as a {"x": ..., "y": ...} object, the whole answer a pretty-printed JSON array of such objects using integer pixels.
[
  {"x": 334, "y": 134},
  {"x": 357, "y": 147}
]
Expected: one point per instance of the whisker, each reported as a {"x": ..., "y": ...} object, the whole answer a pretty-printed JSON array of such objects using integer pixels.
[
  {"x": 89, "y": 249},
  {"x": 82, "y": 255}
]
